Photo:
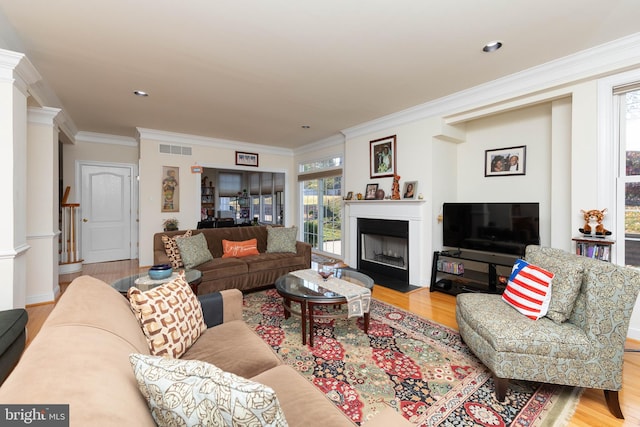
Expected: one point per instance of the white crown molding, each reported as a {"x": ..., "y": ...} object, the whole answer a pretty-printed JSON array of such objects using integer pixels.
[
  {"x": 186, "y": 139},
  {"x": 42, "y": 115},
  {"x": 16, "y": 68},
  {"x": 103, "y": 138},
  {"x": 616, "y": 56}
]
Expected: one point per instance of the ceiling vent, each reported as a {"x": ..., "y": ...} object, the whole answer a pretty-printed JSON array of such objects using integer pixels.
[{"x": 175, "y": 149}]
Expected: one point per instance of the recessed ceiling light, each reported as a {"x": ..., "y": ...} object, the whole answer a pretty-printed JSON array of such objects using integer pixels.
[
  {"x": 140, "y": 93},
  {"x": 492, "y": 46}
]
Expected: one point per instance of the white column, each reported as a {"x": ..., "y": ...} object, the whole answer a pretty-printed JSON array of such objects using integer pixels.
[
  {"x": 42, "y": 205},
  {"x": 16, "y": 74}
]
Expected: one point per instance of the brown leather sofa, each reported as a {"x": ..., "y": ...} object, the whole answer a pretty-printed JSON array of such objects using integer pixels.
[
  {"x": 246, "y": 273},
  {"x": 80, "y": 357}
]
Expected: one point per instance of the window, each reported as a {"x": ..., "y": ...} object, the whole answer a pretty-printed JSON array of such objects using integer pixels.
[
  {"x": 321, "y": 188},
  {"x": 267, "y": 190},
  {"x": 627, "y": 99}
]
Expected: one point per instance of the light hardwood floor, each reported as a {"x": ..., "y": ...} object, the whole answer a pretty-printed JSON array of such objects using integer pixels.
[{"x": 439, "y": 307}]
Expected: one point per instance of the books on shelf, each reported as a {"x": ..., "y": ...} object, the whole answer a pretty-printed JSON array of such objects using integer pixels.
[
  {"x": 591, "y": 250},
  {"x": 450, "y": 267}
]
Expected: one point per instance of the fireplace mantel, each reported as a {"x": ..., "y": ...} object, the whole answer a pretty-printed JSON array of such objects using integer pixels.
[{"x": 412, "y": 211}]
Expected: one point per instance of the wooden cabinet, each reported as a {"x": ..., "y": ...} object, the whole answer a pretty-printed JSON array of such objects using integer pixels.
[
  {"x": 594, "y": 247},
  {"x": 454, "y": 272}
]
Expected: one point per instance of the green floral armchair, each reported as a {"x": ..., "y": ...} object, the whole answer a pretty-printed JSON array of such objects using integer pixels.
[{"x": 584, "y": 343}]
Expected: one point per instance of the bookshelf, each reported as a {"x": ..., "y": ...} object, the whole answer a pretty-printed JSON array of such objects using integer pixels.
[{"x": 594, "y": 247}]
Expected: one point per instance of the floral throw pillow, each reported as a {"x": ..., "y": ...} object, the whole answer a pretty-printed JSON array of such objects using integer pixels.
[
  {"x": 281, "y": 239},
  {"x": 170, "y": 316},
  {"x": 192, "y": 392},
  {"x": 171, "y": 248},
  {"x": 194, "y": 250}
]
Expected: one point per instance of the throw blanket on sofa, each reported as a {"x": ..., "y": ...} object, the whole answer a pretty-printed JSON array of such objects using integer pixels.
[{"x": 358, "y": 297}]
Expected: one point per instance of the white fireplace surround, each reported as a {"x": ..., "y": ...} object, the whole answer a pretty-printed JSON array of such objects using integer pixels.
[{"x": 403, "y": 210}]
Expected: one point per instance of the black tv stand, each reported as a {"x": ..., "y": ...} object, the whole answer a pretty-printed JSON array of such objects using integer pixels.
[
  {"x": 451, "y": 253},
  {"x": 482, "y": 271}
]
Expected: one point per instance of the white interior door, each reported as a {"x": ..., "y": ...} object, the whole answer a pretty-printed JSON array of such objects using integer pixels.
[{"x": 105, "y": 208}]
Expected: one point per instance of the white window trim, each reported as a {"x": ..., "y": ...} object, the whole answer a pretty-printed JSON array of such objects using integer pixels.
[{"x": 609, "y": 154}]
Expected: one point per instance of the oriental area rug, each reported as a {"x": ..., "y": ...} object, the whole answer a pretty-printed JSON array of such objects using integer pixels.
[{"x": 420, "y": 368}]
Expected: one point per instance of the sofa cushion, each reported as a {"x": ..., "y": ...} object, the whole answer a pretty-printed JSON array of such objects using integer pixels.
[
  {"x": 226, "y": 357},
  {"x": 219, "y": 268},
  {"x": 275, "y": 261},
  {"x": 281, "y": 239},
  {"x": 241, "y": 249},
  {"x": 192, "y": 392},
  {"x": 170, "y": 316},
  {"x": 566, "y": 282},
  {"x": 528, "y": 289},
  {"x": 194, "y": 250},
  {"x": 171, "y": 248}
]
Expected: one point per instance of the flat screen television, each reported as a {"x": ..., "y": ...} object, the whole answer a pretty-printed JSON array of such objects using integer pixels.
[{"x": 491, "y": 227}]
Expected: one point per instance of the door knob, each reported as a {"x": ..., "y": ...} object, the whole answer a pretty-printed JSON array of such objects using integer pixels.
[{"x": 85, "y": 220}]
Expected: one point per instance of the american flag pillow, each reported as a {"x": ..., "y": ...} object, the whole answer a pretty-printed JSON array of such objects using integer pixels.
[{"x": 529, "y": 289}]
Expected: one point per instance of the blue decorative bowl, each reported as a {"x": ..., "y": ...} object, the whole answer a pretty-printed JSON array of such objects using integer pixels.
[{"x": 161, "y": 271}]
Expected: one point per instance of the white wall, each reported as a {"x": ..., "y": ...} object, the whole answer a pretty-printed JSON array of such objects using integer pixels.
[{"x": 530, "y": 127}]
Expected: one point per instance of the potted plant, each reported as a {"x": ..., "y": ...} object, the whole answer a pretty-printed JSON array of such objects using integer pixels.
[{"x": 170, "y": 224}]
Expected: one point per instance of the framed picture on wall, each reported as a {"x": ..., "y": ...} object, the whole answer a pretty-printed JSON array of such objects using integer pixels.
[
  {"x": 382, "y": 157},
  {"x": 505, "y": 161},
  {"x": 246, "y": 159},
  {"x": 170, "y": 189}
]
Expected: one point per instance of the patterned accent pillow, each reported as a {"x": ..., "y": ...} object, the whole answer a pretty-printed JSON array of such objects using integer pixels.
[
  {"x": 529, "y": 289},
  {"x": 170, "y": 316},
  {"x": 192, "y": 392},
  {"x": 281, "y": 239},
  {"x": 171, "y": 248},
  {"x": 566, "y": 283},
  {"x": 194, "y": 250},
  {"x": 239, "y": 249}
]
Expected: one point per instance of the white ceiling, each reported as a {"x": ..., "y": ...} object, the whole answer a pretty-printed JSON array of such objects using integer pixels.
[{"x": 258, "y": 70}]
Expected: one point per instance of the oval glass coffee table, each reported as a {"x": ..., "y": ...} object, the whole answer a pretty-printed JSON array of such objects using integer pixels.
[
  {"x": 143, "y": 282},
  {"x": 309, "y": 294}
]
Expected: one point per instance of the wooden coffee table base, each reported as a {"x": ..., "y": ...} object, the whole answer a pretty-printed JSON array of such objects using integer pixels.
[
  {"x": 303, "y": 314},
  {"x": 306, "y": 315}
]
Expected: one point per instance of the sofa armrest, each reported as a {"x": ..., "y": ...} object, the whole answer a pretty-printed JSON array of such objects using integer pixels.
[
  {"x": 220, "y": 307},
  {"x": 304, "y": 249}
]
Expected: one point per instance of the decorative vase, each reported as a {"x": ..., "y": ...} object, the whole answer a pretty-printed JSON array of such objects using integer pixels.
[{"x": 379, "y": 194}]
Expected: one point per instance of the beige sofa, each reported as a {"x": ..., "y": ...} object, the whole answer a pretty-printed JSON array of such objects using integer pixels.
[
  {"x": 80, "y": 357},
  {"x": 244, "y": 273}
]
